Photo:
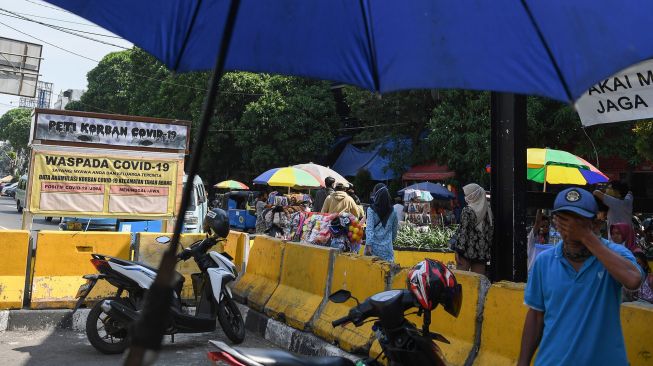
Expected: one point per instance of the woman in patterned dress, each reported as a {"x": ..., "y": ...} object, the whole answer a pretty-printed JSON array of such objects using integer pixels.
[{"x": 473, "y": 239}]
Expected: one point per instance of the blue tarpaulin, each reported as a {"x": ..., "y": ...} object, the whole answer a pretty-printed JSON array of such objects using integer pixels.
[
  {"x": 376, "y": 161},
  {"x": 553, "y": 48}
]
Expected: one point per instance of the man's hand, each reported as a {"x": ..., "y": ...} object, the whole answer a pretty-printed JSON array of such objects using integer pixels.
[{"x": 572, "y": 227}]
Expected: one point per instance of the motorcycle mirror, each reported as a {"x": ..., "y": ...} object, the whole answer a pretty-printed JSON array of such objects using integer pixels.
[
  {"x": 340, "y": 296},
  {"x": 163, "y": 240}
]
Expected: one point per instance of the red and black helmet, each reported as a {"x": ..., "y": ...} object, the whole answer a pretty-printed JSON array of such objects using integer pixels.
[{"x": 433, "y": 283}]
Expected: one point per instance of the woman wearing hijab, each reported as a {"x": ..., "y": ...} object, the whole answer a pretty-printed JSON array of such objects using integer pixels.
[
  {"x": 474, "y": 236},
  {"x": 622, "y": 233},
  {"x": 382, "y": 224}
]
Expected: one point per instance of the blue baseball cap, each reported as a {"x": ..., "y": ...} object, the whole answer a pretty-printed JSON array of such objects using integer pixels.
[{"x": 576, "y": 200}]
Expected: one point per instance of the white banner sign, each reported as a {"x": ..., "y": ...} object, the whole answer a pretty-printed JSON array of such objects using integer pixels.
[
  {"x": 626, "y": 96},
  {"x": 144, "y": 135}
]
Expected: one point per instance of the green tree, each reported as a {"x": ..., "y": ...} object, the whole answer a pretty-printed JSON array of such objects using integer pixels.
[
  {"x": 108, "y": 86},
  {"x": 400, "y": 115},
  {"x": 292, "y": 122},
  {"x": 14, "y": 127},
  {"x": 555, "y": 125},
  {"x": 240, "y": 143},
  {"x": 460, "y": 134},
  {"x": 644, "y": 143}
]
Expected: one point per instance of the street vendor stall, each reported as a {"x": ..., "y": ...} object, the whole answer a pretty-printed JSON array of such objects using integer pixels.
[
  {"x": 418, "y": 206},
  {"x": 280, "y": 208}
]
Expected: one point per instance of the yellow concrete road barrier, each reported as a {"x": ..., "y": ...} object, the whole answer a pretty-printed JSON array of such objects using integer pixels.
[
  {"x": 409, "y": 258},
  {"x": 263, "y": 272},
  {"x": 304, "y": 284},
  {"x": 150, "y": 252},
  {"x": 237, "y": 246},
  {"x": 463, "y": 332},
  {"x": 62, "y": 258},
  {"x": 13, "y": 266},
  {"x": 503, "y": 320},
  {"x": 363, "y": 277},
  {"x": 637, "y": 324}
]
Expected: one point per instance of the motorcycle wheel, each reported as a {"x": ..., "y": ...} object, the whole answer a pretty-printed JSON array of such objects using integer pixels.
[
  {"x": 104, "y": 333},
  {"x": 230, "y": 319}
]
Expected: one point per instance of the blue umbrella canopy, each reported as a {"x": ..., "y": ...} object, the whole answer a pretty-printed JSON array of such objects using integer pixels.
[
  {"x": 553, "y": 48},
  {"x": 437, "y": 190}
]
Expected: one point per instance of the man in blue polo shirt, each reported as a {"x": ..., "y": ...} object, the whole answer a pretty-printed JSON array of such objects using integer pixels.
[{"x": 574, "y": 292}]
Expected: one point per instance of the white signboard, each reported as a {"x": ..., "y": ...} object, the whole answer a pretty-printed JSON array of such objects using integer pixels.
[
  {"x": 626, "y": 96},
  {"x": 114, "y": 132},
  {"x": 20, "y": 63}
]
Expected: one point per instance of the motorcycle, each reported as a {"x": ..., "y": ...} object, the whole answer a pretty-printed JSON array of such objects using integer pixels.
[
  {"x": 401, "y": 342},
  {"x": 108, "y": 322}
]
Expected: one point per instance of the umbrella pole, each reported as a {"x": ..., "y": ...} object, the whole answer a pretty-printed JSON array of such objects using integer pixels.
[{"x": 148, "y": 330}]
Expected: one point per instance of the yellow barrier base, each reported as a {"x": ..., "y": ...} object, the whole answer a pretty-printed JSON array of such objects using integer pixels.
[
  {"x": 503, "y": 321},
  {"x": 363, "y": 277},
  {"x": 13, "y": 266},
  {"x": 263, "y": 272},
  {"x": 62, "y": 258},
  {"x": 303, "y": 285},
  {"x": 637, "y": 324},
  {"x": 11, "y": 292}
]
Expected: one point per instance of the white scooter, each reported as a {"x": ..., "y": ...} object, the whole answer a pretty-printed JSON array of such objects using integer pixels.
[{"x": 107, "y": 326}]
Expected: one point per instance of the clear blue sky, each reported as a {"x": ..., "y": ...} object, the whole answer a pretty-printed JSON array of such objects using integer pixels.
[{"x": 64, "y": 70}]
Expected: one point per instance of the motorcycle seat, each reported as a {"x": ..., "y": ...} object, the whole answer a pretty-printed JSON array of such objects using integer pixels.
[{"x": 283, "y": 358}]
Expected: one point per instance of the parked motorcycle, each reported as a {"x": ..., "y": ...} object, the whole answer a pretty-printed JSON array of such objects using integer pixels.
[
  {"x": 429, "y": 283},
  {"x": 108, "y": 322}
]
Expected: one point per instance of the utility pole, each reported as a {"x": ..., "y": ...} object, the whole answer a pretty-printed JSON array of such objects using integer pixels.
[{"x": 508, "y": 138}]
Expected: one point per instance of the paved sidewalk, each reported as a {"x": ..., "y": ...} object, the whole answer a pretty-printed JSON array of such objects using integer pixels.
[{"x": 71, "y": 348}]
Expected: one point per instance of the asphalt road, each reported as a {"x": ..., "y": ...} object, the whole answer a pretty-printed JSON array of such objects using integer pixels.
[
  {"x": 70, "y": 348},
  {"x": 10, "y": 219}
]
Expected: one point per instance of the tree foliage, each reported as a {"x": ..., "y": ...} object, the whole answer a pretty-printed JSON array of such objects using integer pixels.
[
  {"x": 14, "y": 128},
  {"x": 260, "y": 121},
  {"x": 644, "y": 143},
  {"x": 460, "y": 134}
]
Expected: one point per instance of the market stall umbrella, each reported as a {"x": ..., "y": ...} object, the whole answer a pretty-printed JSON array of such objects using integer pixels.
[
  {"x": 561, "y": 167},
  {"x": 231, "y": 184},
  {"x": 554, "y": 48},
  {"x": 287, "y": 177},
  {"x": 7, "y": 179},
  {"x": 321, "y": 173},
  {"x": 437, "y": 190}
]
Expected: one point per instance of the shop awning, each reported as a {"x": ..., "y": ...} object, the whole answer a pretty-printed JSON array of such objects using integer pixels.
[{"x": 428, "y": 171}]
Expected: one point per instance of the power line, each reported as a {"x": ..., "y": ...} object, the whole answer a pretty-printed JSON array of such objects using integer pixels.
[
  {"x": 48, "y": 6},
  {"x": 48, "y": 43},
  {"x": 60, "y": 29},
  {"x": 13, "y": 14},
  {"x": 60, "y": 20}
]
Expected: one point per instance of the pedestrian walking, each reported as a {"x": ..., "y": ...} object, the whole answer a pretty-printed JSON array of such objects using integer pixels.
[
  {"x": 339, "y": 201},
  {"x": 574, "y": 292},
  {"x": 382, "y": 225},
  {"x": 474, "y": 236},
  {"x": 261, "y": 204},
  {"x": 322, "y": 194},
  {"x": 399, "y": 209}
]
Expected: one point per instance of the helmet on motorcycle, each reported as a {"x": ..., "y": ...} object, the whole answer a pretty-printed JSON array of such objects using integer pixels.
[
  {"x": 433, "y": 283},
  {"x": 216, "y": 223}
]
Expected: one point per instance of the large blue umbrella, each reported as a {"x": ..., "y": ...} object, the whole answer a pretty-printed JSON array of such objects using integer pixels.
[
  {"x": 437, "y": 190},
  {"x": 553, "y": 48}
]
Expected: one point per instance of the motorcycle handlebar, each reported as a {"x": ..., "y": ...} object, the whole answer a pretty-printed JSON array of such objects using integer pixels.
[{"x": 341, "y": 321}]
